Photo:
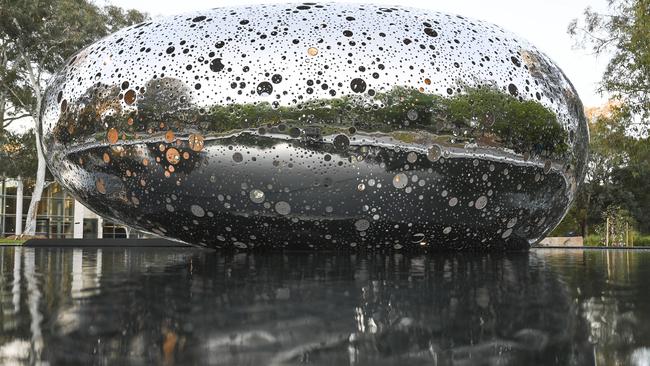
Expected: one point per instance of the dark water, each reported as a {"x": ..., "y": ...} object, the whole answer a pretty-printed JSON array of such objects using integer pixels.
[{"x": 183, "y": 306}]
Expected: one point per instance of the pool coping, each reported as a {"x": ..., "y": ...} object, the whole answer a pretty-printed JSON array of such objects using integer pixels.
[{"x": 165, "y": 243}]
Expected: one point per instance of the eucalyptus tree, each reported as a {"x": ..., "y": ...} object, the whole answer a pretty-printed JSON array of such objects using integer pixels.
[
  {"x": 36, "y": 37},
  {"x": 618, "y": 171},
  {"x": 622, "y": 32}
]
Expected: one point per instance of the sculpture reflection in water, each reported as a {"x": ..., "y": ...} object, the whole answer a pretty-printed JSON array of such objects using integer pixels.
[
  {"x": 311, "y": 126},
  {"x": 322, "y": 309}
]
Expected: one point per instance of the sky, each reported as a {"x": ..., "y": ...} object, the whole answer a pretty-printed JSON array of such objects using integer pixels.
[{"x": 543, "y": 23}]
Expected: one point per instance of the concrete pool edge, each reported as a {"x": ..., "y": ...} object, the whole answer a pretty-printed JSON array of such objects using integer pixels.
[{"x": 164, "y": 243}]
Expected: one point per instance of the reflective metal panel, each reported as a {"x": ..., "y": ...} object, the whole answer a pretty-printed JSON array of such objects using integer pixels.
[{"x": 319, "y": 125}]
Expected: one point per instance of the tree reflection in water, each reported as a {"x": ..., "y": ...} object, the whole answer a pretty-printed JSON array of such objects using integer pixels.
[{"x": 186, "y": 306}]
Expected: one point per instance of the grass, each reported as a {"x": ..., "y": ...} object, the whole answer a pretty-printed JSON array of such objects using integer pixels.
[
  {"x": 5, "y": 241},
  {"x": 637, "y": 240}
]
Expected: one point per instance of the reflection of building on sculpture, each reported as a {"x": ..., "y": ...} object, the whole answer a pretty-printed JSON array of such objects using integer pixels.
[{"x": 59, "y": 214}]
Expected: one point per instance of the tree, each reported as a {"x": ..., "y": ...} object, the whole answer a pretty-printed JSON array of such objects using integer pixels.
[
  {"x": 618, "y": 170},
  {"x": 18, "y": 154},
  {"x": 616, "y": 227},
  {"x": 36, "y": 37},
  {"x": 618, "y": 174},
  {"x": 624, "y": 33}
]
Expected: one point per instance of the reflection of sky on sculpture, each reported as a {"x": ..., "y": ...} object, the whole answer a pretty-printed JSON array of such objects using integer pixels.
[
  {"x": 542, "y": 23},
  {"x": 299, "y": 66},
  {"x": 546, "y": 29}
]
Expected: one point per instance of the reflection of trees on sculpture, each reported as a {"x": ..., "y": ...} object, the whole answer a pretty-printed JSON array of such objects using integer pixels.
[
  {"x": 166, "y": 99},
  {"x": 484, "y": 116},
  {"x": 498, "y": 118},
  {"x": 102, "y": 105},
  {"x": 519, "y": 125},
  {"x": 97, "y": 104}
]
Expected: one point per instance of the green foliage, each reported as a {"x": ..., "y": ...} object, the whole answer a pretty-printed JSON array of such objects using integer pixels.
[
  {"x": 518, "y": 124},
  {"x": 593, "y": 241},
  {"x": 616, "y": 225},
  {"x": 37, "y": 36},
  {"x": 618, "y": 174},
  {"x": 624, "y": 32},
  {"x": 51, "y": 31},
  {"x": 116, "y": 18},
  {"x": 642, "y": 241},
  {"x": 569, "y": 226},
  {"x": 18, "y": 155},
  {"x": 635, "y": 239},
  {"x": 619, "y": 167},
  {"x": 5, "y": 241}
]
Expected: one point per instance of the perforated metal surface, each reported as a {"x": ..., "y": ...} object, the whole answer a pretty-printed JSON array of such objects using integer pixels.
[{"x": 313, "y": 126}]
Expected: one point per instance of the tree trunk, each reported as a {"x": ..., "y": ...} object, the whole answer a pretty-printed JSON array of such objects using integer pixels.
[
  {"x": 3, "y": 104},
  {"x": 30, "y": 225},
  {"x": 3, "y": 100}
]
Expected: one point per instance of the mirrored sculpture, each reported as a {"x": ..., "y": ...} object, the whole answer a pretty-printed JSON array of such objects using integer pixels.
[{"x": 319, "y": 126}]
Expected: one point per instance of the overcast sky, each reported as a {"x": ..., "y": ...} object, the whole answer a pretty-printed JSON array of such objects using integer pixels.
[{"x": 543, "y": 23}]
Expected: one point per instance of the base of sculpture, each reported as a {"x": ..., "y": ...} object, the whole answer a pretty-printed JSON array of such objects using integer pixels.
[{"x": 104, "y": 242}]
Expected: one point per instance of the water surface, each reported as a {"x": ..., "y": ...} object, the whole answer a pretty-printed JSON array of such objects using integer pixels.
[{"x": 174, "y": 306}]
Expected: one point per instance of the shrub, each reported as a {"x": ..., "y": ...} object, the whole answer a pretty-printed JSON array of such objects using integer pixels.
[
  {"x": 593, "y": 241},
  {"x": 642, "y": 241}
]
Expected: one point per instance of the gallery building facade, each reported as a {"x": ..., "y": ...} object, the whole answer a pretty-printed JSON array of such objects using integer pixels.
[{"x": 59, "y": 214}]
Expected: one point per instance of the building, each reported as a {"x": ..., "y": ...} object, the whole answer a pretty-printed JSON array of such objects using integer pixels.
[{"x": 59, "y": 214}]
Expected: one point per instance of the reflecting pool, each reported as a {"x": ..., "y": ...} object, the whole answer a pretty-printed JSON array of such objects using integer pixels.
[{"x": 173, "y": 306}]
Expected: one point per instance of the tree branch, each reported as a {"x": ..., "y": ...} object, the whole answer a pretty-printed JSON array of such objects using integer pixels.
[
  {"x": 30, "y": 72},
  {"x": 11, "y": 119},
  {"x": 22, "y": 104}
]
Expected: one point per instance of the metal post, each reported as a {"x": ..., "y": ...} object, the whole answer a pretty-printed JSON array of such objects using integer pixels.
[
  {"x": 100, "y": 227},
  {"x": 78, "y": 220},
  {"x": 607, "y": 232},
  {"x": 3, "y": 209}
]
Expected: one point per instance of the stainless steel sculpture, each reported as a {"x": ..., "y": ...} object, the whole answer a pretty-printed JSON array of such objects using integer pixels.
[{"x": 319, "y": 126}]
